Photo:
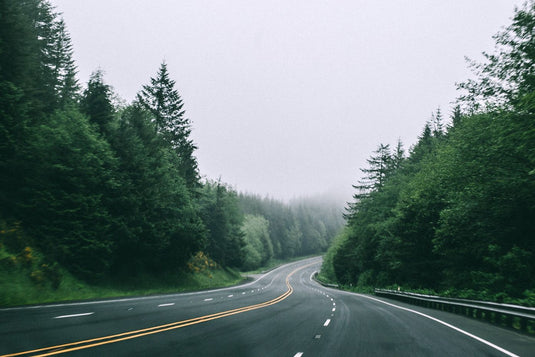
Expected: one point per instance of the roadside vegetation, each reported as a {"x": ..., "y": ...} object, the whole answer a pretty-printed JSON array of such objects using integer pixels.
[
  {"x": 26, "y": 278},
  {"x": 99, "y": 197},
  {"x": 454, "y": 216}
]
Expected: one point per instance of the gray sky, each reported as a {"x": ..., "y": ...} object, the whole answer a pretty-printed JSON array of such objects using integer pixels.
[{"x": 290, "y": 97}]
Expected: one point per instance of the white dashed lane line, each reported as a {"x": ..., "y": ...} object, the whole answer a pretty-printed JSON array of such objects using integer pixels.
[
  {"x": 168, "y": 304},
  {"x": 74, "y": 315},
  {"x": 298, "y": 354},
  {"x": 327, "y": 322},
  {"x": 208, "y": 299}
]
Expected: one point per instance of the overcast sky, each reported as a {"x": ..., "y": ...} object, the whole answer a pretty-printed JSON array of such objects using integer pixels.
[{"x": 290, "y": 97}]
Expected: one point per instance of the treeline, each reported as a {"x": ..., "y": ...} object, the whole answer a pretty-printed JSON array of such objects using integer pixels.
[
  {"x": 457, "y": 212},
  {"x": 107, "y": 189},
  {"x": 273, "y": 229}
]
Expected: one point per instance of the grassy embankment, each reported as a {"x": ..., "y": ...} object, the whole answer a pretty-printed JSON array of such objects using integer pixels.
[{"x": 26, "y": 278}]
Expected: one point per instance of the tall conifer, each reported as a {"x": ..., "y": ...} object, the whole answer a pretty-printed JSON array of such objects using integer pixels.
[
  {"x": 96, "y": 101},
  {"x": 166, "y": 106}
]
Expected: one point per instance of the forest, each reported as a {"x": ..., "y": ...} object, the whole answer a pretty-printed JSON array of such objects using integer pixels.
[
  {"x": 102, "y": 190},
  {"x": 455, "y": 214}
]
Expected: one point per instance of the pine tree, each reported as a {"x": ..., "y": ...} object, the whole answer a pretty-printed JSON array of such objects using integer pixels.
[
  {"x": 159, "y": 226},
  {"x": 26, "y": 46},
  {"x": 397, "y": 157},
  {"x": 379, "y": 166},
  {"x": 163, "y": 101},
  {"x": 456, "y": 116},
  {"x": 423, "y": 147},
  {"x": 63, "y": 197},
  {"x": 18, "y": 44},
  {"x": 45, "y": 27},
  {"x": 63, "y": 66},
  {"x": 96, "y": 102},
  {"x": 437, "y": 123},
  {"x": 28, "y": 32},
  {"x": 223, "y": 220}
]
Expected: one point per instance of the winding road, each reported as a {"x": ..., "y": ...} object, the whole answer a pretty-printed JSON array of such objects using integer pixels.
[{"x": 281, "y": 313}]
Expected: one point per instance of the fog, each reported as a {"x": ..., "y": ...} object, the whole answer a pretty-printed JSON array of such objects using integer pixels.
[{"x": 289, "y": 98}]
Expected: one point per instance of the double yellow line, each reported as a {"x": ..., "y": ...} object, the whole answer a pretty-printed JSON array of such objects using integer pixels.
[{"x": 79, "y": 345}]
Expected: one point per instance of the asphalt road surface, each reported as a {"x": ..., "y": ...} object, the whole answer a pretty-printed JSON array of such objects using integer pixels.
[{"x": 281, "y": 313}]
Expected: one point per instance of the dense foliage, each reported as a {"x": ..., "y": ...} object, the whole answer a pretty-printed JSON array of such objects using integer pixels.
[
  {"x": 109, "y": 191},
  {"x": 458, "y": 211},
  {"x": 273, "y": 229}
]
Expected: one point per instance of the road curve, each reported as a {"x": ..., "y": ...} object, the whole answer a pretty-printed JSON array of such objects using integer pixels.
[{"x": 282, "y": 313}]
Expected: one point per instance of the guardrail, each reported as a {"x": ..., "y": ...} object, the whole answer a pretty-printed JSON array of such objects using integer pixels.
[
  {"x": 315, "y": 277},
  {"x": 512, "y": 316}
]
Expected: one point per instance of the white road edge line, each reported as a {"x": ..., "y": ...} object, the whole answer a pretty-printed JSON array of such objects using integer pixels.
[
  {"x": 327, "y": 322},
  {"x": 490, "y": 344},
  {"x": 74, "y": 315},
  {"x": 168, "y": 304}
]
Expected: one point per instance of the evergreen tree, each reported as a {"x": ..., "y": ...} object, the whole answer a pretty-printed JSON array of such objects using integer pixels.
[
  {"x": 36, "y": 54},
  {"x": 378, "y": 170},
  {"x": 292, "y": 245},
  {"x": 437, "y": 123},
  {"x": 19, "y": 63},
  {"x": 54, "y": 55},
  {"x": 14, "y": 165},
  {"x": 223, "y": 220},
  {"x": 456, "y": 116},
  {"x": 62, "y": 199},
  {"x": 63, "y": 66},
  {"x": 166, "y": 106},
  {"x": 380, "y": 164},
  {"x": 422, "y": 148},
  {"x": 96, "y": 102},
  {"x": 507, "y": 76},
  {"x": 397, "y": 157},
  {"x": 29, "y": 44},
  {"x": 482, "y": 235},
  {"x": 159, "y": 227}
]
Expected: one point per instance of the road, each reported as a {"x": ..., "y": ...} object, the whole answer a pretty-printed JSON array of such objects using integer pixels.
[{"x": 282, "y": 313}]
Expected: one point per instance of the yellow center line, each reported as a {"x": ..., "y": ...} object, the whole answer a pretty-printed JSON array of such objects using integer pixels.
[{"x": 74, "y": 346}]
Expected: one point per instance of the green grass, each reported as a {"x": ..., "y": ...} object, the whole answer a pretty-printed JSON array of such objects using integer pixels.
[
  {"x": 17, "y": 288},
  {"x": 24, "y": 280}
]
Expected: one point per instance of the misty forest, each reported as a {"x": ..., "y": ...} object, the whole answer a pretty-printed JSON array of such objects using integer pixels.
[
  {"x": 455, "y": 214},
  {"x": 100, "y": 190}
]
